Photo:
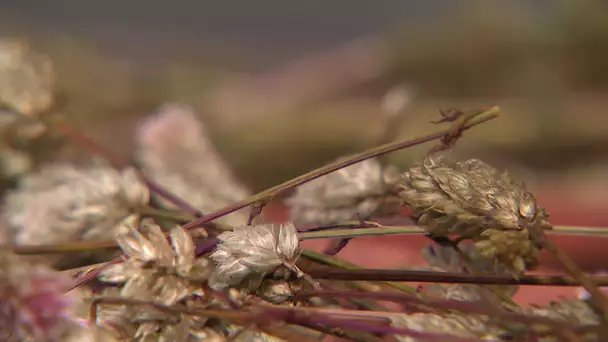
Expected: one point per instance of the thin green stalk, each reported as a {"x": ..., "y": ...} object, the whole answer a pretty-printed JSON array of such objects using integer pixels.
[
  {"x": 577, "y": 230},
  {"x": 358, "y": 232},
  {"x": 335, "y": 233},
  {"x": 84, "y": 246}
]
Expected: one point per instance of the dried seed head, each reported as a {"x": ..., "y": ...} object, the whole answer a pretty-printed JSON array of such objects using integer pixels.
[
  {"x": 397, "y": 99},
  {"x": 172, "y": 270},
  {"x": 513, "y": 248},
  {"x": 573, "y": 311},
  {"x": 357, "y": 191},
  {"x": 476, "y": 201},
  {"x": 175, "y": 150},
  {"x": 466, "y": 197},
  {"x": 251, "y": 335},
  {"x": 277, "y": 291},
  {"x": 33, "y": 304},
  {"x": 158, "y": 271},
  {"x": 26, "y": 91},
  {"x": 252, "y": 252},
  {"x": 449, "y": 324},
  {"x": 467, "y": 260},
  {"x": 26, "y": 78},
  {"x": 61, "y": 203}
]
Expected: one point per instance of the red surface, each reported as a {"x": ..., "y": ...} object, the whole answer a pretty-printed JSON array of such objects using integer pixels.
[{"x": 400, "y": 251}]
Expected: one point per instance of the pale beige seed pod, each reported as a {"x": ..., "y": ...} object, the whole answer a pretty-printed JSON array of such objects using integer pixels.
[
  {"x": 456, "y": 325},
  {"x": 27, "y": 81},
  {"x": 27, "y": 78},
  {"x": 465, "y": 198},
  {"x": 250, "y": 252},
  {"x": 175, "y": 150},
  {"x": 355, "y": 192},
  {"x": 513, "y": 248},
  {"x": 474, "y": 200},
  {"x": 573, "y": 311},
  {"x": 154, "y": 269},
  {"x": 63, "y": 203},
  {"x": 467, "y": 260},
  {"x": 277, "y": 291}
]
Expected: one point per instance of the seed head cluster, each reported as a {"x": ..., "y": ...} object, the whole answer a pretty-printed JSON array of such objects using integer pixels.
[
  {"x": 466, "y": 259},
  {"x": 355, "y": 192},
  {"x": 26, "y": 78},
  {"x": 63, "y": 203},
  {"x": 156, "y": 270},
  {"x": 174, "y": 150},
  {"x": 27, "y": 81},
  {"x": 476, "y": 201},
  {"x": 252, "y": 252}
]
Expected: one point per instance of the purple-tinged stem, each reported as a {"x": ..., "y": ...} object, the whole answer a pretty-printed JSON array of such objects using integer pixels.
[
  {"x": 206, "y": 246},
  {"x": 489, "y": 114},
  {"x": 170, "y": 197},
  {"x": 117, "y": 162}
]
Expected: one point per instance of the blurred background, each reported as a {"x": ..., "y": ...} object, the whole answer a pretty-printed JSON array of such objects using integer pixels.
[{"x": 304, "y": 80}]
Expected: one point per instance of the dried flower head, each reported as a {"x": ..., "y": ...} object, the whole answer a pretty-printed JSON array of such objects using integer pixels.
[
  {"x": 277, "y": 291},
  {"x": 62, "y": 203},
  {"x": 158, "y": 271},
  {"x": 26, "y": 78},
  {"x": 33, "y": 304},
  {"x": 474, "y": 200},
  {"x": 26, "y": 90},
  {"x": 175, "y": 150},
  {"x": 356, "y": 191},
  {"x": 247, "y": 335},
  {"x": 397, "y": 99},
  {"x": 467, "y": 259},
  {"x": 574, "y": 311},
  {"x": 252, "y": 252},
  {"x": 449, "y": 324}
]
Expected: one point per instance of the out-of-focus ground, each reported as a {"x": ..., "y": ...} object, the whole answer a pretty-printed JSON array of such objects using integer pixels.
[{"x": 288, "y": 87}]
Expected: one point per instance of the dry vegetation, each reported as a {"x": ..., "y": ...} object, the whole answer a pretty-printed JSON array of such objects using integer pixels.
[{"x": 153, "y": 236}]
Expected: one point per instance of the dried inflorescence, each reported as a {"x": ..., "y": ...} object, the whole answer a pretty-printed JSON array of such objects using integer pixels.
[
  {"x": 33, "y": 305},
  {"x": 573, "y": 311},
  {"x": 156, "y": 271},
  {"x": 26, "y": 78},
  {"x": 175, "y": 150},
  {"x": 476, "y": 201},
  {"x": 467, "y": 259},
  {"x": 251, "y": 252},
  {"x": 62, "y": 203},
  {"x": 456, "y": 325},
  {"x": 26, "y": 91},
  {"x": 354, "y": 192}
]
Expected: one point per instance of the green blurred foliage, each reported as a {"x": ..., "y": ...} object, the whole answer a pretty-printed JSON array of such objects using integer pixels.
[{"x": 499, "y": 48}]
